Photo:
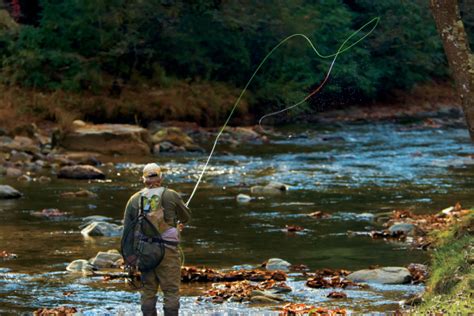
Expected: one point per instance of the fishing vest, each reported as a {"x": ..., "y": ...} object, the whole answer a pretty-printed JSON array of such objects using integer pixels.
[
  {"x": 150, "y": 204},
  {"x": 142, "y": 243}
]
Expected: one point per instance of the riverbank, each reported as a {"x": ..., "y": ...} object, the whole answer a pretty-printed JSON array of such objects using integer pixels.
[
  {"x": 208, "y": 104},
  {"x": 450, "y": 285}
]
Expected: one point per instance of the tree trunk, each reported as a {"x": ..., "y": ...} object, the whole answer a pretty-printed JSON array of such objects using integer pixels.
[{"x": 460, "y": 59}]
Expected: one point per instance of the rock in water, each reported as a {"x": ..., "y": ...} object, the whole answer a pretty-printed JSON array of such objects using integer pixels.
[
  {"x": 172, "y": 139},
  {"x": 387, "y": 275},
  {"x": 80, "y": 172},
  {"x": 277, "y": 264},
  {"x": 106, "y": 259},
  {"x": 407, "y": 229},
  {"x": 13, "y": 173},
  {"x": 80, "y": 193},
  {"x": 243, "y": 198},
  {"x": 7, "y": 192},
  {"x": 102, "y": 229},
  {"x": 121, "y": 139},
  {"x": 80, "y": 265},
  {"x": 270, "y": 188}
]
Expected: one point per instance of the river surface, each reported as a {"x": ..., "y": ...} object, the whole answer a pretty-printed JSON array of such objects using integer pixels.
[{"x": 344, "y": 170}]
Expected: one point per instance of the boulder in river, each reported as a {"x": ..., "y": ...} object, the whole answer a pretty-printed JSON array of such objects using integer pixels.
[
  {"x": 79, "y": 265},
  {"x": 277, "y": 264},
  {"x": 265, "y": 297},
  {"x": 7, "y": 192},
  {"x": 79, "y": 194},
  {"x": 172, "y": 139},
  {"x": 387, "y": 275},
  {"x": 86, "y": 221},
  {"x": 270, "y": 188},
  {"x": 121, "y": 139},
  {"x": 21, "y": 156},
  {"x": 109, "y": 259},
  {"x": 407, "y": 229},
  {"x": 80, "y": 172},
  {"x": 83, "y": 158},
  {"x": 44, "y": 179},
  {"x": 102, "y": 229},
  {"x": 13, "y": 172},
  {"x": 20, "y": 143},
  {"x": 243, "y": 198}
]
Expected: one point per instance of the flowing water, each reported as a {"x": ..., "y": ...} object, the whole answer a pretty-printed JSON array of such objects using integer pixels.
[{"x": 344, "y": 170}]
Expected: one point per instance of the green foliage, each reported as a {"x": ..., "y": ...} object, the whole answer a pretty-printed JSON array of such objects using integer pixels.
[
  {"x": 85, "y": 45},
  {"x": 451, "y": 276}
]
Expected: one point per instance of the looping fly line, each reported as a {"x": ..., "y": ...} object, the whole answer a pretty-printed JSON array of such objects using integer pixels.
[{"x": 340, "y": 51}]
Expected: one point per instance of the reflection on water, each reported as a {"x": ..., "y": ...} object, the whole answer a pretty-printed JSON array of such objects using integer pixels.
[{"x": 363, "y": 169}]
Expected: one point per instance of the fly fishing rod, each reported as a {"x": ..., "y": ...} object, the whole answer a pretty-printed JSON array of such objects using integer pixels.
[{"x": 342, "y": 49}]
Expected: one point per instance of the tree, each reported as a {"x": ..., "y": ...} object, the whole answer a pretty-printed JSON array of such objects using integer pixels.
[{"x": 460, "y": 59}]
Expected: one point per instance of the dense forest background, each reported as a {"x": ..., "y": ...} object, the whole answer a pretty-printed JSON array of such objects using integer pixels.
[{"x": 142, "y": 60}]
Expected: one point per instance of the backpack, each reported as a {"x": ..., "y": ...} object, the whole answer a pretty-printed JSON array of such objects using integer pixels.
[{"x": 142, "y": 246}]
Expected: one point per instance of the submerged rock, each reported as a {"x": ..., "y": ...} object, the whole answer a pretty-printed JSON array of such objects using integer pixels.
[
  {"x": 44, "y": 179},
  {"x": 277, "y": 264},
  {"x": 83, "y": 158},
  {"x": 50, "y": 212},
  {"x": 80, "y": 193},
  {"x": 173, "y": 139},
  {"x": 17, "y": 156},
  {"x": 271, "y": 188},
  {"x": 96, "y": 218},
  {"x": 264, "y": 296},
  {"x": 243, "y": 198},
  {"x": 102, "y": 229},
  {"x": 387, "y": 275},
  {"x": 109, "y": 259},
  {"x": 365, "y": 216},
  {"x": 86, "y": 221},
  {"x": 20, "y": 143},
  {"x": 13, "y": 172},
  {"x": 407, "y": 229},
  {"x": 7, "y": 192},
  {"x": 79, "y": 265},
  {"x": 120, "y": 139},
  {"x": 80, "y": 172},
  {"x": 24, "y": 178}
]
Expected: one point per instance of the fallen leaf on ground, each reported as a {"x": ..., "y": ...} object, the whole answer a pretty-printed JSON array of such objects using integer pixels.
[
  {"x": 329, "y": 278},
  {"x": 240, "y": 291},
  {"x": 299, "y": 267},
  {"x": 423, "y": 223},
  {"x": 293, "y": 309},
  {"x": 419, "y": 272},
  {"x": 57, "y": 311},
  {"x": 318, "y": 282},
  {"x": 194, "y": 274}
]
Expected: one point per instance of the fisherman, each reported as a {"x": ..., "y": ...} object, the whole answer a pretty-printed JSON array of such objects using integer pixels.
[{"x": 153, "y": 220}]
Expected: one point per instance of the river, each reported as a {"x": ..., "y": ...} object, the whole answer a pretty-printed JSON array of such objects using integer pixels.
[{"x": 342, "y": 169}]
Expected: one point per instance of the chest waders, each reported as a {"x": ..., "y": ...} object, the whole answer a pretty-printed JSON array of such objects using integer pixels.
[{"x": 142, "y": 246}]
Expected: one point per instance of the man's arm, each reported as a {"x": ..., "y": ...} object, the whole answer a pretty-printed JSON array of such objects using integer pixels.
[
  {"x": 130, "y": 213},
  {"x": 174, "y": 202}
]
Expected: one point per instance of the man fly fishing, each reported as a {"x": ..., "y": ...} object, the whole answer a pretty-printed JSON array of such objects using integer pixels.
[{"x": 153, "y": 219}]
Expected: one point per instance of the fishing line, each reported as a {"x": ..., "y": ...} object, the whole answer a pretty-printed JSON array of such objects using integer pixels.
[{"x": 341, "y": 50}]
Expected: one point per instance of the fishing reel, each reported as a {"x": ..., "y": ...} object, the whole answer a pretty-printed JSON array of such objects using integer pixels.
[{"x": 133, "y": 276}]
